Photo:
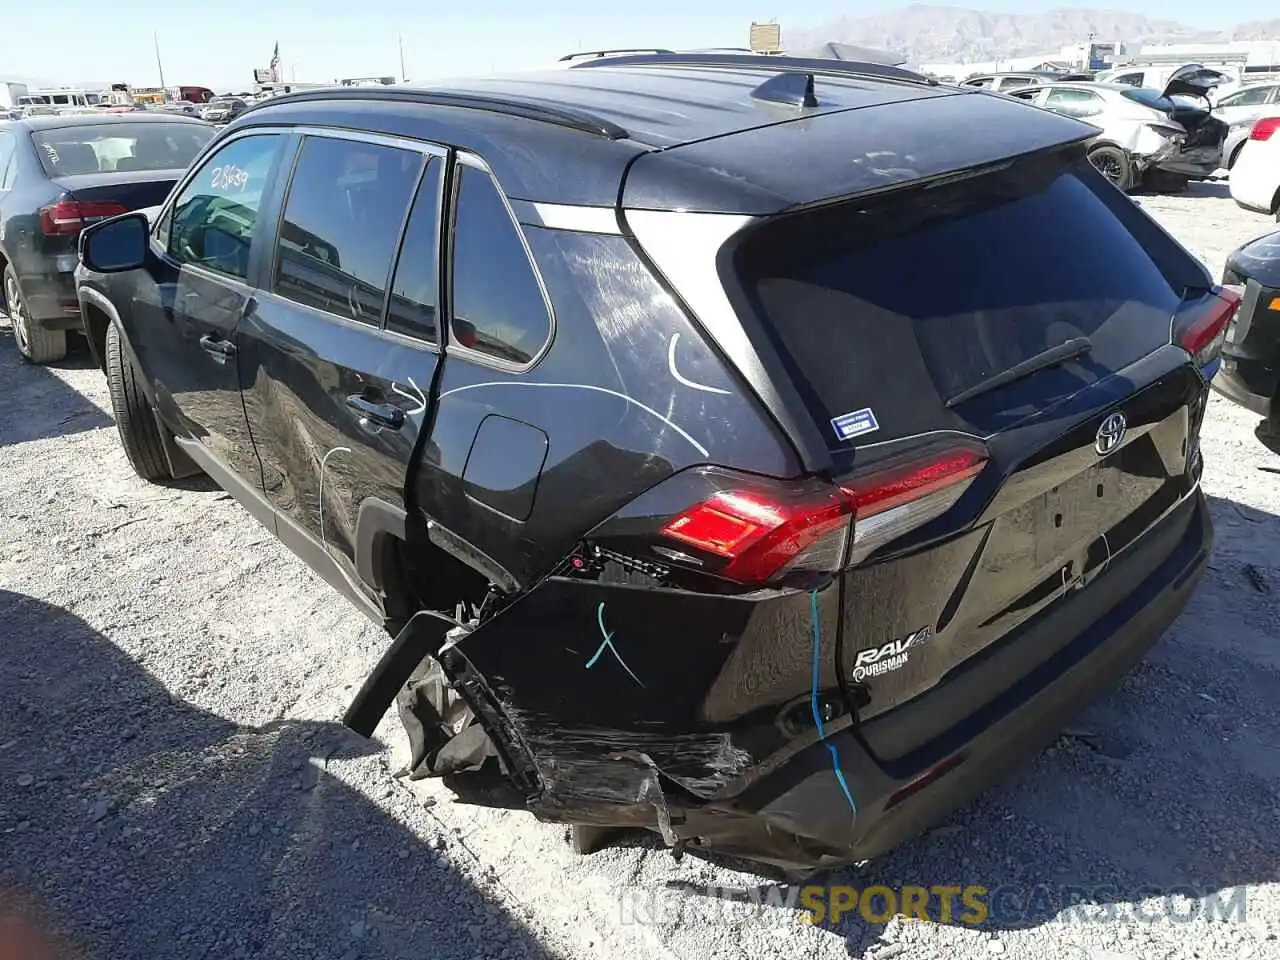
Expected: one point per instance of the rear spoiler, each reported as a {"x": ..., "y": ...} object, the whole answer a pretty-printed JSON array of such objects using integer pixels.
[{"x": 838, "y": 154}]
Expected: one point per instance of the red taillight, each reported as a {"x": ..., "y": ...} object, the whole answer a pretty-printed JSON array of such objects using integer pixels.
[
  {"x": 1203, "y": 337},
  {"x": 903, "y": 495},
  {"x": 763, "y": 537},
  {"x": 1264, "y": 128},
  {"x": 766, "y": 536},
  {"x": 67, "y": 218}
]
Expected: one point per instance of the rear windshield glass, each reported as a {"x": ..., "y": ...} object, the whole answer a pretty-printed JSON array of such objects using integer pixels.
[
  {"x": 1148, "y": 98},
  {"x": 915, "y": 300},
  {"x": 110, "y": 147}
]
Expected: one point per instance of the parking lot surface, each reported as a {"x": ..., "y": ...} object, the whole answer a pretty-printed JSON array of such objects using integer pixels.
[{"x": 173, "y": 781}]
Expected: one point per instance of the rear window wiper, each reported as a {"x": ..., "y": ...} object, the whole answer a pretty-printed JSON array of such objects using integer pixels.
[{"x": 1075, "y": 347}]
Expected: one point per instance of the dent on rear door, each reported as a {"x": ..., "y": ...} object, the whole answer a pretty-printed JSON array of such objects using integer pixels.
[{"x": 609, "y": 696}]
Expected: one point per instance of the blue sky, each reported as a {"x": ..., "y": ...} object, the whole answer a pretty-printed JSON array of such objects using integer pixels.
[{"x": 218, "y": 44}]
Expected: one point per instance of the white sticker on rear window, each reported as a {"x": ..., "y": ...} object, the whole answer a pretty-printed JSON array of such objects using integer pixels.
[{"x": 855, "y": 424}]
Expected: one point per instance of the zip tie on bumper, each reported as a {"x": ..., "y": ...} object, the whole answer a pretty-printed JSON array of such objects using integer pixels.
[{"x": 813, "y": 701}]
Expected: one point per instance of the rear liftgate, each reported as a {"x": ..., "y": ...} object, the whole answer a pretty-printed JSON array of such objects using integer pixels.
[{"x": 684, "y": 651}]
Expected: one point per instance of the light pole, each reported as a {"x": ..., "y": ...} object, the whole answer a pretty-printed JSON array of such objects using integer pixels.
[{"x": 160, "y": 66}]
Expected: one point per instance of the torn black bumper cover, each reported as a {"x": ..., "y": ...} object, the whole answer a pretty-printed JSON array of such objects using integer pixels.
[{"x": 616, "y": 705}]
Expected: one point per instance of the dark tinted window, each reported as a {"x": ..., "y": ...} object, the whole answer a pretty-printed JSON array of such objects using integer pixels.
[
  {"x": 415, "y": 292},
  {"x": 107, "y": 147},
  {"x": 341, "y": 224},
  {"x": 498, "y": 306},
  {"x": 948, "y": 287},
  {"x": 1129, "y": 79},
  {"x": 1008, "y": 83},
  {"x": 214, "y": 216}
]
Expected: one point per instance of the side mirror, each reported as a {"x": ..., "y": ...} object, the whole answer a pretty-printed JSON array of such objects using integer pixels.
[{"x": 116, "y": 245}]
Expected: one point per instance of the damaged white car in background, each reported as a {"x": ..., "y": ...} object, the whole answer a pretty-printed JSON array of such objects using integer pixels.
[{"x": 1152, "y": 139}]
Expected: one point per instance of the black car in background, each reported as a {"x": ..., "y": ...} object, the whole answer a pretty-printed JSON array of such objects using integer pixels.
[
  {"x": 1250, "y": 370},
  {"x": 59, "y": 174},
  {"x": 737, "y": 472}
]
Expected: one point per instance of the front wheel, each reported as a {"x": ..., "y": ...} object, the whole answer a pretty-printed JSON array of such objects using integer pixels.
[
  {"x": 1114, "y": 164},
  {"x": 135, "y": 418},
  {"x": 35, "y": 343}
]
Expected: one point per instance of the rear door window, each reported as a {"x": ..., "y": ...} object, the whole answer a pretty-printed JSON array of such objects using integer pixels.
[
  {"x": 908, "y": 302},
  {"x": 499, "y": 309},
  {"x": 1074, "y": 103},
  {"x": 341, "y": 224}
]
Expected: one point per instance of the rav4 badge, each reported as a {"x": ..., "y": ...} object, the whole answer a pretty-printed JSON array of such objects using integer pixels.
[{"x": 876, "y": 661}]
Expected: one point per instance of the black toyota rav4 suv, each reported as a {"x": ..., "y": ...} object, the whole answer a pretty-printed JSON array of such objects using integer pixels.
[{"x": 764, "y": 452}]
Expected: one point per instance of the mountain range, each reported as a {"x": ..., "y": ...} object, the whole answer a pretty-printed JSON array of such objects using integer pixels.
[{"x": 926, "y": 33}]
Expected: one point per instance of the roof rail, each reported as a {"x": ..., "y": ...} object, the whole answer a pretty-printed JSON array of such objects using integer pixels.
[
  {"x": 756, "y": 61},
  {"x": 592, "y": 54},
  {"x": 568, "y": 117}
]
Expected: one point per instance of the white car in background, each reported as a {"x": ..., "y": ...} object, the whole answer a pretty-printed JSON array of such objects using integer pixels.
[
  {"x": 1255, "y": 178},
  {"x": 1221, "y": 82}
]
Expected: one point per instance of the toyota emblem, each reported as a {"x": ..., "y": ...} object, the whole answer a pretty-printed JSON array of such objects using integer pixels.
[{"x": 1110, "y": 433}]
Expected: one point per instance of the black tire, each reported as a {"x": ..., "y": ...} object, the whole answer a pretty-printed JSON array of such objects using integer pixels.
[
  {"x": 1114, "y": 164},
  {"x": 135, "y": 418},
  {"x": 35, "y": 343}
]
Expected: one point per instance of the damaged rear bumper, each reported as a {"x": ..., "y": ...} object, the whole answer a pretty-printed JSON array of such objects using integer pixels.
[
  {"x": 898, "y": 801},
  {"x": 722, "y": 777}
]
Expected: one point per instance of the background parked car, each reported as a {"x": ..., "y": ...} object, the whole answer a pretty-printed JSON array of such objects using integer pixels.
[
  {"x": 1218, "y": 82},
  {"x": 180, "y": 106},
  {"x": 223, "y": 109},
  {"x": 1250, "y": 374},
  {"x": 59, "y": 174},
  {"x": 1149, "y": 138},
  {"x": 1004, "y": 82},
  {"x": 1239, "y": 111},
  {"x": 1255, "y": 179}
]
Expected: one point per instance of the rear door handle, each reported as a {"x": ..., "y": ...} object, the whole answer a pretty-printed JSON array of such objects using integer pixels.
[
  {"x": 387, "y": 414},
  {"x": 217, "y": 346}
]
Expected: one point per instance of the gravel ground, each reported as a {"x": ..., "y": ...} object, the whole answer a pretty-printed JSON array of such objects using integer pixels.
[{"x": 173, "y": 782}]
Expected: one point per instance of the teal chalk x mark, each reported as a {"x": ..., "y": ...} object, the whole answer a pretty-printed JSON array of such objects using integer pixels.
[{"x": 608, "y": 642}]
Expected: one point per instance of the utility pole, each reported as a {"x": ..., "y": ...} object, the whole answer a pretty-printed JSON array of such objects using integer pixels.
[
  {"x": 403, "y": 75},
  {"x": 160, "y": 66}
]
